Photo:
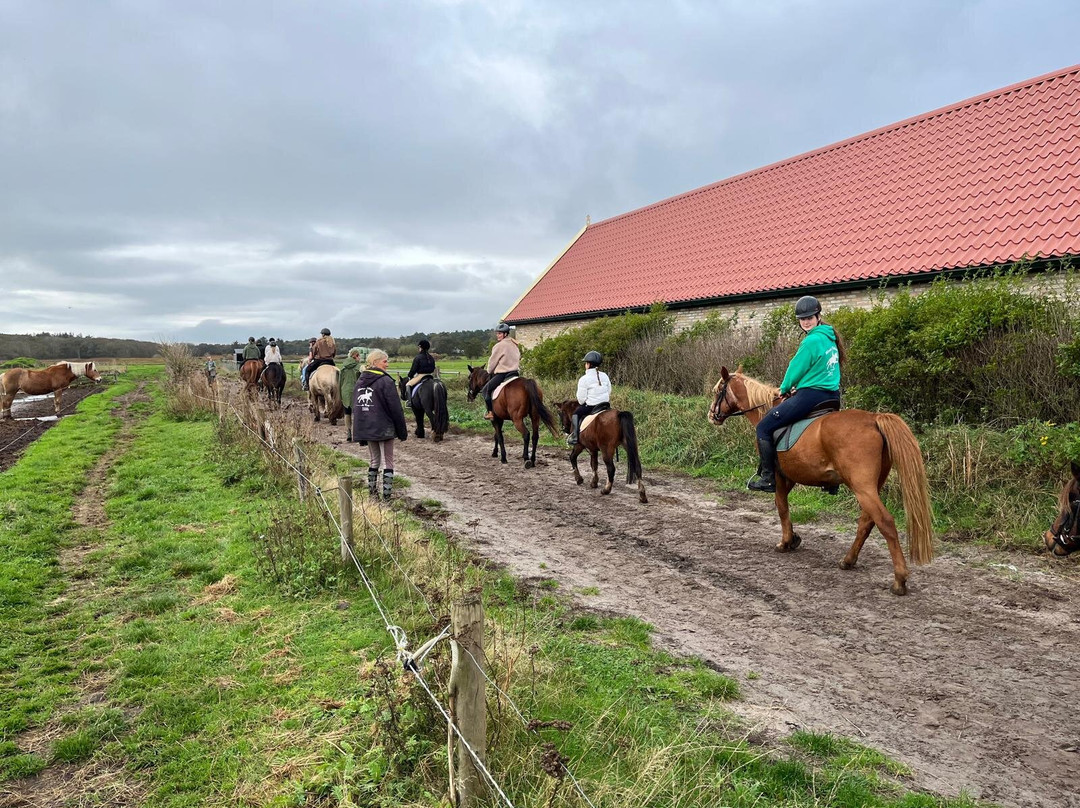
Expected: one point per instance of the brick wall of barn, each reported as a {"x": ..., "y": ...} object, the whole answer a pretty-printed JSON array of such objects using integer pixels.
[{"x": 748, "y": 313}]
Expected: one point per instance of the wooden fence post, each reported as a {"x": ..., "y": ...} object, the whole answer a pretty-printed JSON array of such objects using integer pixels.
[
  {"x": 345, "y": 506},
  {"x": 468, "y": 708},
  {"x": 301, "y": 479}
]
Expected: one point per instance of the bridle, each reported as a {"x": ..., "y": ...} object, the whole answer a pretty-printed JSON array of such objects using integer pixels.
[
  {"x": 1068, "y": 529},
  {"x": 474, "y": 391},
  {"x": 718, "y": 417}
]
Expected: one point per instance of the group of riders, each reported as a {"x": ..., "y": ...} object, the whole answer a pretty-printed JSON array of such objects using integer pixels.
[{"x": 811, "y": 383}]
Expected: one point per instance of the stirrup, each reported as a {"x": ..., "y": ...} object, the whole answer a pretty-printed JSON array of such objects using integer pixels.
[
  {"x": 489, "y": 416},
  {"x": 760, "y": 482},
  {"x": 572, "y": 440}
]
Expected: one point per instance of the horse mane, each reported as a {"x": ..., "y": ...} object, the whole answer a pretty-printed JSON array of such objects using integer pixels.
[{"x": 758, "y": 394}]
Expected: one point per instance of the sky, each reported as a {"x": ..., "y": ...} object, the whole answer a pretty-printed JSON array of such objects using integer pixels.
[{"x": 208, "y": 171}]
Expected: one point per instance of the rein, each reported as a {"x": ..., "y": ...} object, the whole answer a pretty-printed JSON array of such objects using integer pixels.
[
  {"x": 1068, "y": 523},
  {"x": 720, "y": 417}
]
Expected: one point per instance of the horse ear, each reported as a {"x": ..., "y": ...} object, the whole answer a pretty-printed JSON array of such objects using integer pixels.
[
  {"x": 1076, "y": 470},
  {"x": 469, "y": 367},
  {"x": 724, "y": 373}
]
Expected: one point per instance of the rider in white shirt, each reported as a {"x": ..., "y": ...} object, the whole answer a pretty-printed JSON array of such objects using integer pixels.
[{"x": 593, "y": 393}]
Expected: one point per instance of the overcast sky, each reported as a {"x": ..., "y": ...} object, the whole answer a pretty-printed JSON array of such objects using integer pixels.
[{"x": 209, "y": 171}]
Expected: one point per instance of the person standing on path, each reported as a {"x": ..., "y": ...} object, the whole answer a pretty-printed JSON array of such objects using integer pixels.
[{"x": 378, "y": 418}]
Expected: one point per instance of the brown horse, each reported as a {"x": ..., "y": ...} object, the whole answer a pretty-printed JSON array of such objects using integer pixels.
[
  {"x": 324, "y": 394},
  {"x": 609, "y": 430},
  {"x": 519, "y": 399},
  {"x": 249, "y": 372},
  {"x": 1063, "y": 537},
  {"x": 853, "y": 447},
  {"x": 52, "y": 379}
]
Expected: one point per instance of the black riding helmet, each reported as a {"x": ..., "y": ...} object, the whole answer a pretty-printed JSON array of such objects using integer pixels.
[
  {"x": 325, "y": 332},
  {"x": 593, "y": 358},
  {"x": 807, "y": 306},
  {"x": 424, "y": 345}
]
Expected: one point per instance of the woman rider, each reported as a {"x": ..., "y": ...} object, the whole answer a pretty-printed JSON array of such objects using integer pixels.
[
  {"x": 593, "y": 394},
  {"x": 423, "y": 365},
  {"x": 812, "y": 378},
  {"x": 504, "y": 363}
]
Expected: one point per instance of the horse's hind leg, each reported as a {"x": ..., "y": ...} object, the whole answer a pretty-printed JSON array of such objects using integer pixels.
[
  {"x": 866, "y": 524},
  {"x": 871, "y": 503},
  {"x": 609, "y": 464},
  {"x": 519, "y": 425},
  {"x": 594, "y": 462}
]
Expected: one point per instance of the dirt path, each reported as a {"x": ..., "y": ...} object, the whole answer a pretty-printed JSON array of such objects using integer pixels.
[{"x": 967, "y": 680}]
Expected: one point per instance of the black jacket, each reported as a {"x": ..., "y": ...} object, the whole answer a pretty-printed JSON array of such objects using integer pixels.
[
  {"x": 376, "y": 408},
  {"x": 423, "y": 362}
]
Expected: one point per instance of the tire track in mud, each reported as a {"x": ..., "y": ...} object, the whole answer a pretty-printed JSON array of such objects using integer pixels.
[{"x": 960, "y": 680}]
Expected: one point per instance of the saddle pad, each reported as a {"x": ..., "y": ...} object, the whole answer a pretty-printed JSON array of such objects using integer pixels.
[
  {"x": 787, "y": 436},
  {"x": 497, "y": 390},
  {"x": 588, "y": 421},
  {"x": 418, "y": 381}
]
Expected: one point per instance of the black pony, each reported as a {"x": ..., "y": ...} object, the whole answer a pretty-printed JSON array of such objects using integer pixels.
[
  {"x": 429, "y": 397},
  {"x": 273, "y": 379}
]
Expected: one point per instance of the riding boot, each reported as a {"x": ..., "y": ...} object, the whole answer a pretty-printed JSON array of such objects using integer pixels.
[
  {"x": 387, "y": 483},
  {"x": 348, "y": 427},
  {"x": 766, "y": 477},
  {"x": 373, "y": 482},
  {"x": 488, "y": 416},
  {"x": 575, "y": 428}
]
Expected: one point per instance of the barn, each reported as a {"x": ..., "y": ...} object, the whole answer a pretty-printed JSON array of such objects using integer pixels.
[{"x": 982, "y": 183}]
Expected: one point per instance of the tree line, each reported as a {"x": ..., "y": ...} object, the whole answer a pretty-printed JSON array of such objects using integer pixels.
[{"x": 44, "y": 345}]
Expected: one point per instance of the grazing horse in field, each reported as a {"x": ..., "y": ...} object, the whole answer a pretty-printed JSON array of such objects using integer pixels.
[
  {"x": 324, "y": 394},
  {"x": 249, "y": 372},
  {"x": 520, "y": 399},
  {"x": 428, "y": 396},
  {"x": 273, "y": 379},
  {"x": 1063, "y": 537},
  {"x": 607, "y": 430},
  {"x": 52, "y": 379},
  {"x": 853, "y": 447}
]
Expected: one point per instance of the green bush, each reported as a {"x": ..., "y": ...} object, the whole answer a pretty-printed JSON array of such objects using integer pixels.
[
  {"x": 560, "y": 357},
  {"x": 19, "y": 362}
]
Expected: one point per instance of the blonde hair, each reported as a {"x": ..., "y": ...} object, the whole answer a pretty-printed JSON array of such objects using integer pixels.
[{"x": 375, "y": 356}]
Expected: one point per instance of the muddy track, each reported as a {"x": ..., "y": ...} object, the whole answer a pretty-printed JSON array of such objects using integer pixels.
[{"x": 966, "y": 680}]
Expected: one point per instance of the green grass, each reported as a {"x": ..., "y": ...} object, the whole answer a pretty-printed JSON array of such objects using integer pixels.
[{"x": 223, "y": 685}]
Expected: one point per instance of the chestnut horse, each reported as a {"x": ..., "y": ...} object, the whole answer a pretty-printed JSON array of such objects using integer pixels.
[
  {"x": 52, "y": 379},
  {"x": 1063, "y": 537},
  {"x": 249, "y": 372},
  {"x": 609, "y": 430},
  {"x": 853, "y": 447},
  {"x": 520, "y": 399}
]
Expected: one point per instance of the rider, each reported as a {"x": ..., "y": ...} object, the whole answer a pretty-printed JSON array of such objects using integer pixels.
[
  {"x": 261, "y": 342},
  {"x": 350, "y": 371},
  {"x": 593, "y": 394},
  {"x": 271, "y": 355},
  {"x": 305, "y": 363},
  {"x": 423, "y": 365},
  {"x": 504, "y": 363},
  {"x": 322, "y": 353},
  {"x": 812, "y": 379},
  {"x": 251, "y": 350}
]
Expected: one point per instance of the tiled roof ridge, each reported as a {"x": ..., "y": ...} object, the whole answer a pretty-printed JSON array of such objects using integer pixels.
[{"x": 955, "y": 107}]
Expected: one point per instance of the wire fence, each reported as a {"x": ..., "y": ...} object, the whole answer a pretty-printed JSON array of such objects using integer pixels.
[{"x": 410, "y": 660}]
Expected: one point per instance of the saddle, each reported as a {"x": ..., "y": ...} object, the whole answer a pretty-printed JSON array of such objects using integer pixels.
[
  {"x": 420, "y": 380},
  {"x": 786, "y": 436},
  {"x": 586, "y": 422},
  {"x": 497, "y": 390}
]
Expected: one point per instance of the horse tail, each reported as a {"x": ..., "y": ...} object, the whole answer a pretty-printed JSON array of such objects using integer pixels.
[
  {"x": 537, "y": 408},
  {"x": 441, "y": 416},
  {"x": 908, "y": 458},
  {"x": 633, "y": 459}
]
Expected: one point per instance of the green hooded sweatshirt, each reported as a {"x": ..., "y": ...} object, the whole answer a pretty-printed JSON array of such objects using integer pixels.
[
  {"x": 816, "y": 363},
  {"x": 350, "y": 371}
]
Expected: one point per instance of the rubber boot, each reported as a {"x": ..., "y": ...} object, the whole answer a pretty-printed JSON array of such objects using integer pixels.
[
  {"x": 387, "y": 483},
  {"x": 766, "y": 478},
  {"x": 373, "y": 482},
  {"x": 575, "y": 430},
  {"x": 348, "y": 427}
]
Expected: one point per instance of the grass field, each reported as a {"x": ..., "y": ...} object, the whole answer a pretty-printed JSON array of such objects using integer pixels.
[{"x": 180, "y": 632}]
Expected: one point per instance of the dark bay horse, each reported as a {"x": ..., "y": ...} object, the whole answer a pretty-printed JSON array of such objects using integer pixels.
[
  {"x": 429, "y": 398},
  {"x": 52, "y": 379},
  {"x": 520, "y": 399},
  {"x": 853, "y": 447},
  {"x": 273, "y": 379},
  {"x": 607, "y": 431},
  {"x": 1063, "y": 537},
  {"x": 249, "y": 372}
]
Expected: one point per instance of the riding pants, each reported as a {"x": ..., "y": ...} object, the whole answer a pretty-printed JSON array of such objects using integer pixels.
[{"x": 802, "y": 403}]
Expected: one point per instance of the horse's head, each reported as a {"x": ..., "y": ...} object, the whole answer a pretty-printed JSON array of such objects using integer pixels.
[
  {"x": 478, "y": 377},
  {"x": 401, "y": 387},
  {"x": 91, "y": 372},
  {"x": 1063, "y": 537},
  {"x": 566, "y": 413},
  {"x": 725, "y": 398}
]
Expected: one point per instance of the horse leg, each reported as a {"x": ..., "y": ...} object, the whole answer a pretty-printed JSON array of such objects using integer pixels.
[
  {"x": 578, "y": 449},
  {"x": 500, "y": 439},
  {"x": 57, "y": 396},
  {"x": 866, "y": 524},
  {"x": 5, "y": 405},
  {"x": 789, "y": 539},
  {"x": 871, "y": 503},
  {"x": 419, "y": 415},
  {"x": 519, "y": 425},
  {"x": 609, "y": 464},
  {"x": 594, "y": 463}
]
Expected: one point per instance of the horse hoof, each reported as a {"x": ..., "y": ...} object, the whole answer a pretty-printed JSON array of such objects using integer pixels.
[
  {"x": 580, "y": 481},
  {"x": 899, "y": 588},
  {"x": 529, "y": 464},
  {"x": 606, "y": 491},
  {"x": 644, "y": 500},
  {"x": 437, "y": 439},
  {"x": 796, "y": 540},
  {"x": 847, "y": 565}
]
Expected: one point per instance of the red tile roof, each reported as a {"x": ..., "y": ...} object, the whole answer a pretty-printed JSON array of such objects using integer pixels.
[{"x": 986, "y": 181}]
